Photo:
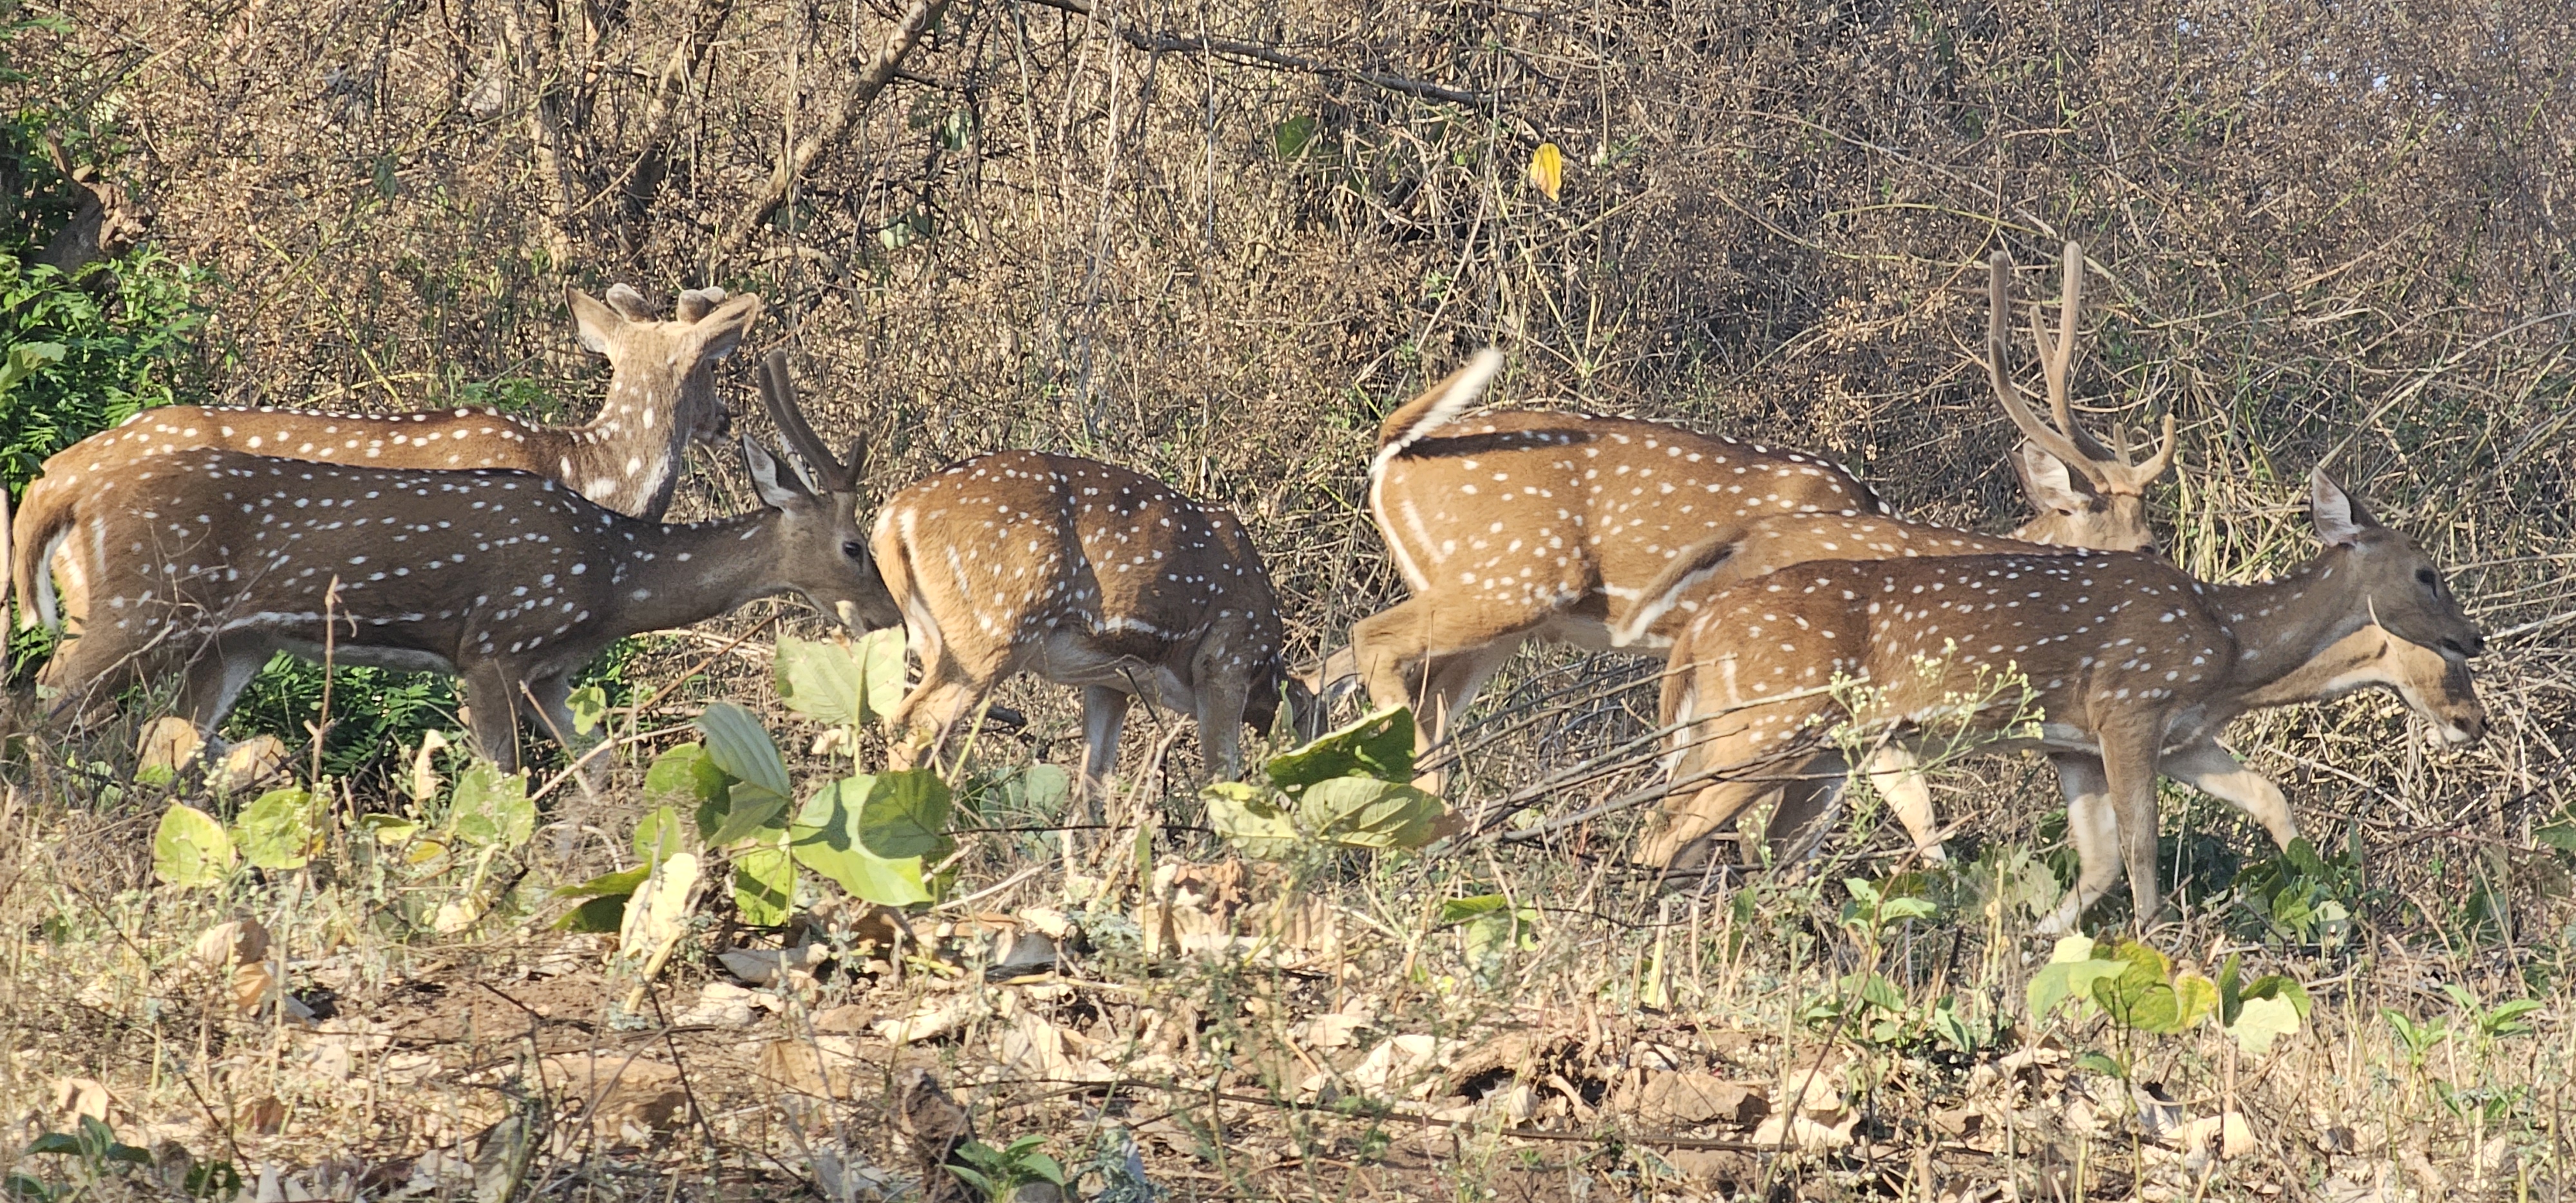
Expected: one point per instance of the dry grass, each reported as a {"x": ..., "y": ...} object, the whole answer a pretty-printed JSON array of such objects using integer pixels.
[{"x": 2317, "y": 232}]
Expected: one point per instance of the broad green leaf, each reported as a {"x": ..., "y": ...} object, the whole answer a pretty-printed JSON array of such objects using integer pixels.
[
  {"x": 2561, "y": 836},
  {"x": 1489, "y": 936},
  {"x": 880, "y": 655},
  {"x": 589, "y": 705},
  {"x": 281, "y": 829},
  {"x": 1363, "y": 812},
  {"x": 2230, "y": 988},
  {"x": 2273, "y": 985},
  {"x": 190, "y": 850},
  {"x": 659, "y": 834},
  {"x": 2196, "y": 998},
  {"x": 1039, "y": 789},
  {"x": 753, "y": 809},
  {"x": 822, "y": 681},
  {"x": 825, "y": 838},
  {"x": 2260, "y": 1021},
  {"x": 1247, "y": 818},
  {"x": 388, "y": 829},
  {"x": 1379, "y": 746},
  {"x": 904, "y": 814},
  {"x": 1874, "y": 988},
  {"x": 606, "y": 913},
  {"x": 607, "y": 884},
  {"x": 764, "y": 884},
  {"x": 2140, "y": 996},
  {"x": 492, "y": 810},
  {"x": 686, "y": 777},
  {"x": 25, "y": 360},
  {"x": 1460, "y": 910},
  {"x": 742, "y": 747},
  {"x": 1290, "y": 138},
  {"x": 2095, "y": 1062},
  {"x": 2070, "y": 973}
]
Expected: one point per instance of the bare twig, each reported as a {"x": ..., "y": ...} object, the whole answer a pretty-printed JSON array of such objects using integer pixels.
[{"x": 1254, "y": 52}]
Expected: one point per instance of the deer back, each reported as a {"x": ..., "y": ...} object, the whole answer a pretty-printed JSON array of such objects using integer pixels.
[
  {"x": 1002, "y": 551},
  {"x": 1528, "y": 509}
]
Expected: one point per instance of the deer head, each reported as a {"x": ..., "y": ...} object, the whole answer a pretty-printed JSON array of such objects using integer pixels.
[
  {"x": 2088, "y": 495},
  {"x": 650, "y": 355},
  {"x": 819, "y": 503}
]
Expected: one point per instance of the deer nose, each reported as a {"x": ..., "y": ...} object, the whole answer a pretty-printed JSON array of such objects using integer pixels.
[{"x": 2474, "y": 647}]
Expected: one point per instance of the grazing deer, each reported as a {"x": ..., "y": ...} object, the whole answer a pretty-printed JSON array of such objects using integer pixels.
[
  {"x": 2123, "y": 656},
  {"x": 211, "y": 561},
  {"x": 661, "y": 395},
  {"x": 1085, "y": 574},
  {"x": 1552, "y": 525}
]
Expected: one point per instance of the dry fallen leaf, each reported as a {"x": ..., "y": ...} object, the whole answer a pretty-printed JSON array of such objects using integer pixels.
[
  {"x": 251, "y": 986},
  {"x": 168, "y": 742},
  {"x": 250, "y": 762},
  {"x": 82, "y": 1098},
  {"x": 233, "y": 942},
  {"x": 1547, "y": 169},
  {"x": 264, "y": 1115}
]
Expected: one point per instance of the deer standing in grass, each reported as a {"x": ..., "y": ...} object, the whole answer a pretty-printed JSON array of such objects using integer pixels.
[
  {"x": 2098, "y": 507},
  {"x": 1089, "y": 575},
  {"x": 2123, "y": 656},
  {"x": 661, "y": 395},
  {"x": 1566, "y": 527},
  {"x": 207, "y": 563}
]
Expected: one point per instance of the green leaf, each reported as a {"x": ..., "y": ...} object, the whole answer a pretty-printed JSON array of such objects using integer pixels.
[
  {"x": 764, "y": 884},
  {"x": 589, "y": 704},
  {"x": 822, "y": 681},
  {"x": 2561, "y": 836},
  {"x": 753, "y": 809},
  {"x": 190, "y": 850},
  {"x": 1043, "y": 1168},
  {"x": 1038, "y": 789},
  {"x": 388, "y": 829},
  {"x": 1250, "y": 820},
  {"x": 687, "y": 777},
  {"x": 1874, "y": 988},
  {"x": 2231, "y": 994},
  {"x": 659, "y": 834},
  {"x": 606, "y": 913},
  {"x": 742, "y": 747},
  {"x": 825, "y": 838},
  {"x": 55, "y": 1142},
  {"x": 1290, "y": 138},
  {"x": 1379, "y": 746},
  {"x": 2260, "y": 1021},
  {"x": 1459, "y": 910},
  {"x": 1362, "y": 812},
  {"x": 2070, "y": 974},
  {"x": 281, "y": 829},
  {"x": 905, "y": 814},
  {"x": 2196, "y": 999},
  {"x": 880, "y": 655},
  {"x": 492, "y": 810},
  {"x": 608, "y": 885},
  {"x": 25, "y": 360},
  {"x": 2140, "y": 996},
  {"x": 2094, "y": 1062}
]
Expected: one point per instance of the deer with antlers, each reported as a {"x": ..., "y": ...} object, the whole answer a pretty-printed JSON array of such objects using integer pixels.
[
  {"x": 1574, "y": 528},
  {"x": 209, "y": 562},
  {"x": 1089, "y": 575},
  {"x": 661, "y": 395},
  {"x": 2120, "y": 654}
]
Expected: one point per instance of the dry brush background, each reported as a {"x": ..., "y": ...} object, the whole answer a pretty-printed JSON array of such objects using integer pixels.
[{"x": 1217, "y": 241}]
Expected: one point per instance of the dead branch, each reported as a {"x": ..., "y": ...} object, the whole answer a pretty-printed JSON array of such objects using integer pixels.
[{"x": 1254, "y": 52}]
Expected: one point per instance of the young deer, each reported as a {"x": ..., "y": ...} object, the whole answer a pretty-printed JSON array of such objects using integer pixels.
[
  {"x": 661, "y": 395},
  {"x": 209, "y": 562},
  {"x": 1088, "y": 575},
  {"x": 2124, "y": 656}
]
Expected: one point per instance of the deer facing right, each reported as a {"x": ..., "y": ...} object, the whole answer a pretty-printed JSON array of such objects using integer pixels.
[{"x": 2122, "y": 654}]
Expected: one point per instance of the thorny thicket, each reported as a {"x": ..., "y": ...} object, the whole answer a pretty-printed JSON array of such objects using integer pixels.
[{"x": 2323, "y": 235}]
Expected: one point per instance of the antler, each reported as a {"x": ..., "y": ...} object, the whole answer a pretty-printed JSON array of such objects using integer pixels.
[
  {"x": 778, "y": 390},
  {"x": 2108, "y": 469}
]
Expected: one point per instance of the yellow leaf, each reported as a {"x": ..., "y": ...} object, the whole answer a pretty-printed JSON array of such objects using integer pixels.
[{"x": 1547, "y": 169}]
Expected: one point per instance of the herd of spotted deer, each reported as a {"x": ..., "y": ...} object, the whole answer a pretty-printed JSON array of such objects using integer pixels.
[{"x": 199, "y": 542}]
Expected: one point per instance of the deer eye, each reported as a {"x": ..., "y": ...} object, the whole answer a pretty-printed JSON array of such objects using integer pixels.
[
  {"x": 854, "y": 549},
  {"x": 2426, "y": 575}
]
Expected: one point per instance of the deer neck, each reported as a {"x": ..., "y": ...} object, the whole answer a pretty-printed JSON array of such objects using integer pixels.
[
  {"x": 679, "y": 575},
  {"x": 627, "y": 458},
  {"x": 2283, "y": 626}
]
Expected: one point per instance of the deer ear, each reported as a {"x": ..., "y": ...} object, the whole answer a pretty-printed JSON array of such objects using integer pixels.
[
  {"x": 2047, "y": 482},
  {"x": 599, "y": 324},
  {"x": 774, "y": 492},
  {"x": 2339, "y": 519},
  {"x": 721, "y": 330}
]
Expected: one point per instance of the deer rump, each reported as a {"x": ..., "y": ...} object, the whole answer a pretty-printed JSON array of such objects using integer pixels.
[{"x": 398, "y": 569}]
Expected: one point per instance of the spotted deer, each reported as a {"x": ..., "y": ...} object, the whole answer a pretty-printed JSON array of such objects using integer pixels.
[
  {"x": 1089, "y": 575},
  {"x": 206, "y": 563},
  {"x": 2123, "y": 657},
  {"x": 1527, "y": 525},
  {"x": 661, "y": 395}
]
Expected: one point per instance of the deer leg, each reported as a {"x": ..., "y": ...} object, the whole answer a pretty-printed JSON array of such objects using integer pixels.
[
  {"x": 1808, "y": 805},
  {"x": 85, "y": 675},
  {"x": 1899, "y": 779},
  {"x": 1220, "y": 713},
  {"x": 1690, "y": 817},
  {"x": 549, "y": 698},
  {"x": 948, "y": 693},
  {"x": 493, "y": 714},
  {"x": 2092, "y": 828},
  {"x": 214, "y": 681},
  {"x": 2129, "y": 764},
  {"x": 2213, "y": 770},
  {"x": 1397, "y": 663},
  {"x": 1104, "y": 716}
]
